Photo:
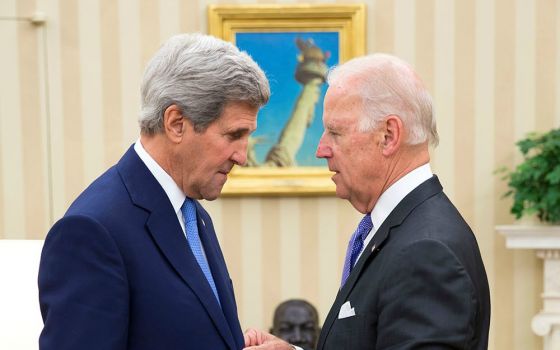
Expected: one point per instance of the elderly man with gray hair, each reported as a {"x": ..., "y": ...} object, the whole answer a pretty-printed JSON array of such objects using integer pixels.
[
  {"x": 413, "y": 277},
  {"x": 135, "y": 263}
]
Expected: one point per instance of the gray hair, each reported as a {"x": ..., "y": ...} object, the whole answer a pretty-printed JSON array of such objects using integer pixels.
[
  {"x": 200, "y": 74},
  {"x": 389, "y": 86}
]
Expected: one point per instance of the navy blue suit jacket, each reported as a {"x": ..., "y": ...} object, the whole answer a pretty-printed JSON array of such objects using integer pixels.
[{"x": 117, "y": 272}]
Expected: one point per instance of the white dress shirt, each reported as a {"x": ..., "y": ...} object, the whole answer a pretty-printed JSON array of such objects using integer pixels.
[
  {"x": 393, "y": 196},
  {"x": 173, "y": 192}
]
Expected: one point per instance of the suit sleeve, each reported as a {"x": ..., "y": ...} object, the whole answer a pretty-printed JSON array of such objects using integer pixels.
[
  {"x": 83, "y": 290},
  {"x": 427, "y": 301}
]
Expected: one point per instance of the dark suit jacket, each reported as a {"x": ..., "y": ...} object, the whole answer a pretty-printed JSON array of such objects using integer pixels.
[
  {"x": 419, "y": 284},
  {"x": 117, "y": 272}
]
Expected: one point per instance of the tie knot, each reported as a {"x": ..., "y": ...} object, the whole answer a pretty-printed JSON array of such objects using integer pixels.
[
  {"x": 365, "y": 226},
  {"x": 189, "y": 210}
]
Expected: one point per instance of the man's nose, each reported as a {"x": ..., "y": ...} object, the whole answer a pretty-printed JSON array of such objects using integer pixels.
[
  {"x": 323, "y": 151},
  {"x": 240, "y": 159},
  {"x": 296, "y": 335},
  {"x": 239, "y": 155}
]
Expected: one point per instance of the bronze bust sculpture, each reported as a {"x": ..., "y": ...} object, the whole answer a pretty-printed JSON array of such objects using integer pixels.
[{"x": 297, "y": 322}]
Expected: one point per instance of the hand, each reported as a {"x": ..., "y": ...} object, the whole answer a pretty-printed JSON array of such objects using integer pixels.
[{"x": 259, "y": 340}]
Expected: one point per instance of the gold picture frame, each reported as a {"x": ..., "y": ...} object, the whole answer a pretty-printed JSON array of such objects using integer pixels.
[{"x": 225, "y": 21}]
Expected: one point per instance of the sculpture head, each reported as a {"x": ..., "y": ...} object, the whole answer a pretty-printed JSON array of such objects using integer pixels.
[{"x": 297, "y": 322}]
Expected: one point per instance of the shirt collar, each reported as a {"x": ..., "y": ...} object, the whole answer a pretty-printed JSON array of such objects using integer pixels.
[
  {"x": 173, "y": 192},
  {"x": 396, "y": 193}
]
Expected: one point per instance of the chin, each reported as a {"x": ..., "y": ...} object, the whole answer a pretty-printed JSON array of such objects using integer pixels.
[
  {"x": 211, "y": 196},
  {"x": 341, "y": 192},
  {"x": 213, "y": 189},
  {"x": 213, "y": 193}
]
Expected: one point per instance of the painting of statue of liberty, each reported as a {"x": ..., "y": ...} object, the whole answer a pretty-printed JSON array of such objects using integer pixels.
[{"x": 290, "y": 125}]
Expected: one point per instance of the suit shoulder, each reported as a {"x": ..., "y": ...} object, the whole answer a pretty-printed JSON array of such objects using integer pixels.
[
  {"x": 77, "y": 232},
  {"x": 102, "y": 195},
  {"x": 436, "y": 218},
  {"x": 107, "y": 202}
]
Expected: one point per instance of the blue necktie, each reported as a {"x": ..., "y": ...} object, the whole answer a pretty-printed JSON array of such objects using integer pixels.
[
  {"x": 189, "y": 215},
  {"x": 355, "y": 246}
]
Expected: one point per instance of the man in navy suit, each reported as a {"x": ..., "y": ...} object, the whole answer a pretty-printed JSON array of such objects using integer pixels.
[
  {"x": 413, "y": 276},
  {"x": 135, "y": 263}
]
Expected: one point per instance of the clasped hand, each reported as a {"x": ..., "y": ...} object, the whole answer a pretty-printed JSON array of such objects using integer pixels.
[{"x": 258, "y": 340}]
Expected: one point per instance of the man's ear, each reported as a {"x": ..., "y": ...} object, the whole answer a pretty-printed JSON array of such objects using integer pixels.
[
  {"x": 393, "y": 135},
  {"x": 174, "y": 125}
]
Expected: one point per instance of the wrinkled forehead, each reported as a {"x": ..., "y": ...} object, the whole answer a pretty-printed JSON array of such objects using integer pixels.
[
  {"x": 341, "y": 101},
  {"x": 346, "y": 94}
]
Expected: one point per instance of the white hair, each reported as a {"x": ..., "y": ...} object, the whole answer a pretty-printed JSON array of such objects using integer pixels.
[
  {"x": 389, "y": 86},
  {"x": 200, "y": 74}
]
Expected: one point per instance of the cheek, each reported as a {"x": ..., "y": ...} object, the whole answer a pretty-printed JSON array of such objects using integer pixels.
[
  {"x": 353, "y": 171},
  {"x": 216, "y": 155}
]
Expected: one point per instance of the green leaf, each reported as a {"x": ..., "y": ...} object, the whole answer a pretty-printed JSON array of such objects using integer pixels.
[{"x": 535, "y": 183}]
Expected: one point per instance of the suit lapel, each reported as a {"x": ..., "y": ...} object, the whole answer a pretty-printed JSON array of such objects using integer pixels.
[
  {"x": 424, "y": 191},
  {"x": 166, "y": 232},
  {"x": 220, "y": 275}
]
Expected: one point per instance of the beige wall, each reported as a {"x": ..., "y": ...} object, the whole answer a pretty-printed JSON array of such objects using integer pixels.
[{"x": 69, "y": 100}]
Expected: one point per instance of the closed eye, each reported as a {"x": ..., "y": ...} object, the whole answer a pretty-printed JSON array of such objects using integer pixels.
[
  {"x": 237, "y": 134},
  {"x": 333, "y": 133}
]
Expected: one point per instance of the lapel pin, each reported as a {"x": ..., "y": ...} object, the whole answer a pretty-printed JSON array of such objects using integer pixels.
[{"x": 373, "y": 248}]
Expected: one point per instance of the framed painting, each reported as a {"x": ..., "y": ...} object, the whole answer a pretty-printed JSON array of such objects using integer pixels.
[{"x": 295, "y": 45}]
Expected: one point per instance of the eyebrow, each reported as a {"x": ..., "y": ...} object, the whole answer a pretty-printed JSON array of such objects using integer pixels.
[
  {"x": 333, "y": 126},
  {"x": 330, "y": 125},
  {"x": 240, "y": 130}
]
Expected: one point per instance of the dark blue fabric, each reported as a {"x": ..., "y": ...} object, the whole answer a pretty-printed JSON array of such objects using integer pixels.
[{"x": 115, "y": 272}]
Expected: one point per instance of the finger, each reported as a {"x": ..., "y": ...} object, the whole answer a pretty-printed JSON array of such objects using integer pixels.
[{"x": 251, "y": 337}]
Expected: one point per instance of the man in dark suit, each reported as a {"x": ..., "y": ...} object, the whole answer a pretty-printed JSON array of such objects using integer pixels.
[
  {"x": 413, "y": 276},
  {"x": 135, "y": 263}
]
